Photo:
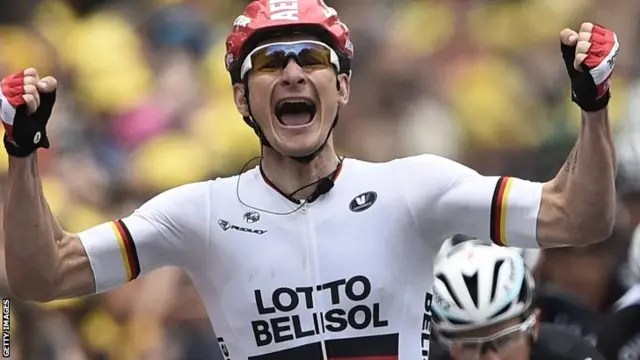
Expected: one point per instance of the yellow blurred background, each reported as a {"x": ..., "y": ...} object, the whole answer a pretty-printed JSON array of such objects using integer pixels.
[{"x": 145, "y": 105}]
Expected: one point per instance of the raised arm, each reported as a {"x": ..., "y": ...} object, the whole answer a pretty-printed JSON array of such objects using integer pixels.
[
  {"x": 582, "y": 194},
  {"x": 575, "y": 208},
  {"x": 38, "y": 254},
  {"x": 578, "y": 205},
  {"x": 43, "y": 262}
]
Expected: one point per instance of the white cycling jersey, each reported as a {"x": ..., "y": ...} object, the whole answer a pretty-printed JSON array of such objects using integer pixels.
[{"x": 345, "y": 277}]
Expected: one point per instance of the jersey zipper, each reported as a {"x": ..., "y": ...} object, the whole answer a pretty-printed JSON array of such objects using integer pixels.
[{"x": 312, "y": 257}]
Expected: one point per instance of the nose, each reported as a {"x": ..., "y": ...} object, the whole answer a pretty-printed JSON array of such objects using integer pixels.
[
  {"x": 490, "y": 354},
  {"x": 293, "y": 74}
]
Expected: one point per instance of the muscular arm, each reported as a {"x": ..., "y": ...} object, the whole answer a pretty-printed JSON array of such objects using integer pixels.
[
  {"x": 578, "y": 205},
  {"x": 43, "y": 262}
]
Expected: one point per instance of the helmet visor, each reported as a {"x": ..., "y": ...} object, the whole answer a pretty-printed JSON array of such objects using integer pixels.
[{"x": 310, "y": 55}]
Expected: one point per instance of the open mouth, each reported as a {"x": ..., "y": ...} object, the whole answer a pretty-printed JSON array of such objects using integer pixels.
[{"x": 295, "y": 112}]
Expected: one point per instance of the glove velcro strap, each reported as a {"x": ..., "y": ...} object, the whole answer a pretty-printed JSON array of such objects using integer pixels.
[
  {"x": 593, "y": 105},
  {"x": 15, "y": 150}
]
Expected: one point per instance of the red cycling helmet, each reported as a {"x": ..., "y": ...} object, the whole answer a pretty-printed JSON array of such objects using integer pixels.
[{"x": 263, "y": 19}]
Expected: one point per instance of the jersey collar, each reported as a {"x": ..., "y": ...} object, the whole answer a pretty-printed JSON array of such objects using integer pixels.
[{"x": 333, "y": 176}]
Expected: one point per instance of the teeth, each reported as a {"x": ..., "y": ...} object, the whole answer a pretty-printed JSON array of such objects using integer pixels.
[
  {"x": 295, "y": 101},
  {"x": 299, "y": 105}
]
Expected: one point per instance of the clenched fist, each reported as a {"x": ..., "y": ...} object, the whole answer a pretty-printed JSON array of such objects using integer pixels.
[
  {"x": 26, "y": 103},
  {"x": 589, "y": 56}
]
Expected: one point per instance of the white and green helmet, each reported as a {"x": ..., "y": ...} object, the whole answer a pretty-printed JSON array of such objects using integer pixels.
[{"x": 478, "y": 284}]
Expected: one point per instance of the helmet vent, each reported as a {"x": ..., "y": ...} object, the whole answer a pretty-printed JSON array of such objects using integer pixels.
[
  {"x": 472, "y": 287},
  {"x": 503, "y": 310},
  {"x": 494, "y": 284},
  {"x": 447, "y": 285}
]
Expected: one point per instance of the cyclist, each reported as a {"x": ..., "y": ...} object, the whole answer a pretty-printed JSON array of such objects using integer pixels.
[
  {"x": 555, "y": 306},
  {"x": 483, "y": 308},
  {"x": 619, "y": 334},
  {"x": 307, "y": 255}
]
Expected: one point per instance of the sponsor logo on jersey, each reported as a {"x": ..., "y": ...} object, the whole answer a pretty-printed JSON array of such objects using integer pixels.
[
  {"x": 224, "y": 349},
  {"x": 284, "y": 317},
  {"x": 225, "y": 225},
  {"x": 363, "y": 201},
  {"x": 425, "y": 336},
  {"x": 251, "y": 217}
]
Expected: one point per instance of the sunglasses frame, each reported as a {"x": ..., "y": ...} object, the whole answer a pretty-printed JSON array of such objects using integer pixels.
[
  {"x": 522, "y": 327},
  {"x": 247, "y": 64}
]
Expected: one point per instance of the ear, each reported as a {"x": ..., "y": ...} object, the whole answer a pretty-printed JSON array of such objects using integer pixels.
[
  {"x": 536, "y": 327},
  {"x": 344, "y": 89},
  {"x": 240, "y": 99}
]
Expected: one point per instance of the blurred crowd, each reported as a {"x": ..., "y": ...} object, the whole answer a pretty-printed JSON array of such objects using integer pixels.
[{"x": 145, "y": 104}]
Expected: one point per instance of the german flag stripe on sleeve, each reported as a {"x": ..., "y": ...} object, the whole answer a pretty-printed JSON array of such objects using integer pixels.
[
  {"x": 127, "y": 249},
  {"x": 499, "y": 203}
]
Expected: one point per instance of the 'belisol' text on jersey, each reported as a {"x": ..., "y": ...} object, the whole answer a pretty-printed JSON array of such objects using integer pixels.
[
  {"x": 283, "y": 327},
  {"x": 346, "y": 277}
]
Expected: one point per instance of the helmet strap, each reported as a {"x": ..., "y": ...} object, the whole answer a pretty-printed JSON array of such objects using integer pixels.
[{"x": 250, "y": 120}]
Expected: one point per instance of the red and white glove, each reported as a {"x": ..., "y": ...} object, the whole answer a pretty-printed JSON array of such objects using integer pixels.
[
  {"x": 590, "y": 57},
  {"x": 26, "y": 103}
]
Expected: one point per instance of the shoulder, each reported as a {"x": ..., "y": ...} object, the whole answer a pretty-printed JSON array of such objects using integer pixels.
[
  {"x": 182, "y": 193},
  {"x": 200, "y": 192},
  {"x": 182, "y": 204},
  {"x": 437, "y": 168},
  {"x": 426, "y": 159},
  {"x": 557, "y": 342},
  {"x": 433, "y": 166}
]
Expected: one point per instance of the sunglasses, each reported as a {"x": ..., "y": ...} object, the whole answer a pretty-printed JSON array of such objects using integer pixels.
[
  {"x": 473, "y": 347},
  {"x": 310, "y": 55}
]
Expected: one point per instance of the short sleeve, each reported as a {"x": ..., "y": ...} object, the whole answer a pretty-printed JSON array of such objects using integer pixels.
[
  {"x": 169, "y": 230},
  {"x": 447, "y": 198}
]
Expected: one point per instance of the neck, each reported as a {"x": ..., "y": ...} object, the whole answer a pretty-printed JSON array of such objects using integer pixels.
[
  {"x": 289, "y": 175},
  {"x": 528, "y": 350}
]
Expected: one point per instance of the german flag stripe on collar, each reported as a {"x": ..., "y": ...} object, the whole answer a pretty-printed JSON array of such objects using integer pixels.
[
  {"x": 127, "y": 249},
  {"x": 499, "y": 202}
]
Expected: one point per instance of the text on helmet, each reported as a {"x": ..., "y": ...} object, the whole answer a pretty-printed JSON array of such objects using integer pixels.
[
  {"x": 242, "y": 21},
  {"x": 283, "y": 10}
]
